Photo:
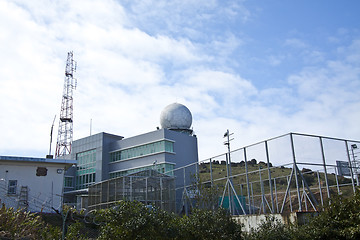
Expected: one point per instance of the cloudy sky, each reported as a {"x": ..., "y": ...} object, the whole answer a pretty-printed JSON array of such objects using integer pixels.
[{"x": 259, "y": 68}]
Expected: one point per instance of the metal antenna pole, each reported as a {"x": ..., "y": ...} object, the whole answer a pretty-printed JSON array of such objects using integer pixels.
[
  {"x": 229, "y": 182},
  {"x": 228, "y": 164},
  {"x": 65, "y": 131},
  {"x": 51, "y": 133}
]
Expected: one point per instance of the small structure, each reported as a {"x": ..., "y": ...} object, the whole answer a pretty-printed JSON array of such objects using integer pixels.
[{"x": 32, "y": 184}]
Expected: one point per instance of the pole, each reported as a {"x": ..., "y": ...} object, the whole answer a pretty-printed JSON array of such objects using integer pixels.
[
  {"x": 350, "y": 166},
  {"x": 325, "y": 170},
  {"x": 247, "y": 180},
  {"x": 355, "y": 166},
  {"x": 269, "y": 174},
  {"x": 51, "y": 133},
  {"x": 296, "y": 174}
]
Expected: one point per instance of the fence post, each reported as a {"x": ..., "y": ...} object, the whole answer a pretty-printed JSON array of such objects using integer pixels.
[
  {"x": 350, "y": 166},
  {"x": 269, "y": 173},
  {"x": 325, "y": 170},
  {"x": 247, "y": 180},
  {"x": 296, "y": 171}
]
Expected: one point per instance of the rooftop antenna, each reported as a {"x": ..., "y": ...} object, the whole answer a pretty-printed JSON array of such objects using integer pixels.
[
  {"x": 65, "y": 131},
  {"x": 51, "y": 133}
]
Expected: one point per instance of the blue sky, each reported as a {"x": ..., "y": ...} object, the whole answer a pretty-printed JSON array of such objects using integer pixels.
[{"x": 258, "y": 68}]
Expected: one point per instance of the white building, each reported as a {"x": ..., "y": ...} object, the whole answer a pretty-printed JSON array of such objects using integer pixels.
[{"x": 33, "y": 184}]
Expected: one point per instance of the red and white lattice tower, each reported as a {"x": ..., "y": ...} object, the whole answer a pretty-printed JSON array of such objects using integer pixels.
[{"x": 65, "y": 132}]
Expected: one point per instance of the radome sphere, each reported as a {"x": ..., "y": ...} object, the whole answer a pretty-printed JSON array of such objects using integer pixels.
[{"x": 176, "y": 116}]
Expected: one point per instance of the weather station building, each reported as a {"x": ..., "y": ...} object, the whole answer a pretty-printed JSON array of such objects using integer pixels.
[{"x": 149, "y": 167}]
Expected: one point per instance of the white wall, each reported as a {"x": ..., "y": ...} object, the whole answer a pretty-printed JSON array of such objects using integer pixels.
[
  {"x": 44, "y": 192},
  {"x": 250, "y": 222}
]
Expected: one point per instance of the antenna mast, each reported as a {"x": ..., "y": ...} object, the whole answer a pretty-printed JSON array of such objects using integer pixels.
[
  {"x": 65, "y": 132},
  {"x": 51, "y": 134}
]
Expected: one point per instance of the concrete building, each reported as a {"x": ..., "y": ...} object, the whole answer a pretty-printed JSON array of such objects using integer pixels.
[
  {"x": 104, "y": 156},
  {"x": 33, "y": 184}
]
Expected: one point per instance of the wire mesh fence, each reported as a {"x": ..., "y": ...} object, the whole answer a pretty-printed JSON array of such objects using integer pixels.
[
  {"x": 292, "y": 172},
  {"x": 149, "y": 187}
]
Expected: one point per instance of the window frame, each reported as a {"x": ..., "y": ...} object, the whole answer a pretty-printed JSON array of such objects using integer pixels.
[{"x": 12, "y": 188}]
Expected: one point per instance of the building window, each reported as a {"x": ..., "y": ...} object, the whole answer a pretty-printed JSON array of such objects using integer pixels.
[
  {"x": 12, "y": 186},
  {"x": 85, "y": 169},
  {"x": 139, "y": 151},
  {"x": 164, "y": 168},
  {"x": 69, "y": 182}
]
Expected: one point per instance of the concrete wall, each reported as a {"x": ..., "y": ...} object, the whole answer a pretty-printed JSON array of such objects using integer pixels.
[
  {"x": 44, "y": 192},
  {"x": 253, "y": 221}
]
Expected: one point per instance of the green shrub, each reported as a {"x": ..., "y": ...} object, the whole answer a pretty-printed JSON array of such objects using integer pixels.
[
  {"x": 24, "y": 225},
  {"x": 271, "y": 229},
  {"x": 339, "y": 220},
  {"x": 206, "y": 224},
  {"x": 133, "y": 220}
]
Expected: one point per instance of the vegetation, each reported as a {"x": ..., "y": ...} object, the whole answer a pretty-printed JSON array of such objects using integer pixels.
[
  {"x": 133, "y": 220},
  {"x": 25, "y": 225}
]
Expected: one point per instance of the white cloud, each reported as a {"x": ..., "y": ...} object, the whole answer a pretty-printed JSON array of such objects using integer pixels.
[
  {"x": 295, "y": 42},
  {"x": 127, "y": 75}
]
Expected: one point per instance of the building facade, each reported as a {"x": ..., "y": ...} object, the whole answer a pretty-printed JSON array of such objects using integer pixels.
[
  {"x": 102, "y": 157},
  {"x": 32, "y": 184}
]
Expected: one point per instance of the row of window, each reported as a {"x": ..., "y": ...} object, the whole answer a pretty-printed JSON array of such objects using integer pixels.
[
  {"x": 150, "y": 148},
  {"x": 84, "y": 181},
  {"x": 85, "y": 170},
  {"x": 165, "y": 168},
  {"x": 86, "y": 157}
]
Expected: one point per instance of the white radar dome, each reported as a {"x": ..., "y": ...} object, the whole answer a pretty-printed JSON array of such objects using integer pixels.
[{"x": 176, "y": 116}]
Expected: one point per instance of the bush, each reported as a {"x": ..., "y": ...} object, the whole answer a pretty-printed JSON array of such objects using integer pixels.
[
  {"x": 271, "y": 229},
  {"x": 24, "y": 225},
  {"x": 133, "y": 220},
  {"x": 205, "y": 224},
  {"x": 340, "y": 220}
]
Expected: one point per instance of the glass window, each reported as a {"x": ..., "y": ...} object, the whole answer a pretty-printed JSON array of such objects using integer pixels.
[
  {"x": 68, "y": 182},
  {"x": 85, "y": 169},
  {"x": 160, "y": 146},
  {"x": 12, "y": 186}
]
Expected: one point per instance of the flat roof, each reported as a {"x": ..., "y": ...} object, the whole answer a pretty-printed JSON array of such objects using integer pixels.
[{"x": 37, "y": 160}]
